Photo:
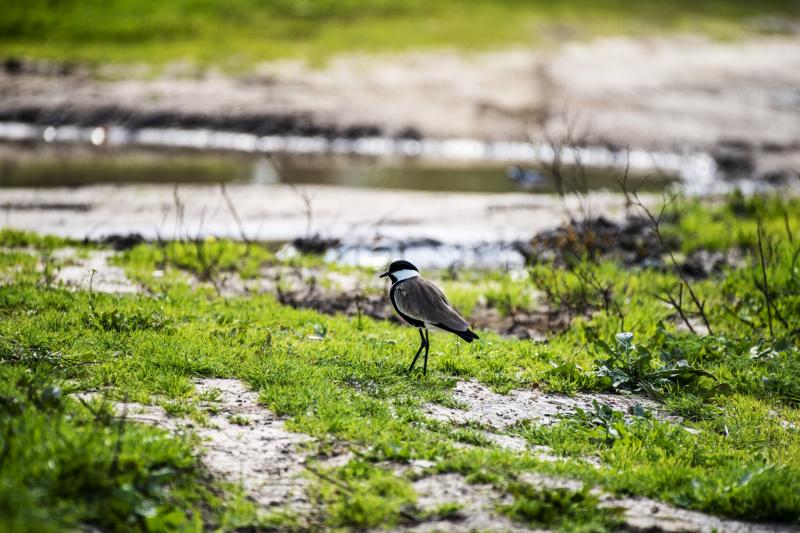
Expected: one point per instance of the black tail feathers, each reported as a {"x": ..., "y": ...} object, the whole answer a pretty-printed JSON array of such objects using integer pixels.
[{"x": 468, "y": 335}]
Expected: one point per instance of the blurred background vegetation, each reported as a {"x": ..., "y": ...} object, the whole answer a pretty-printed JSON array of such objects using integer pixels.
[{"x": 237, "y": 34}]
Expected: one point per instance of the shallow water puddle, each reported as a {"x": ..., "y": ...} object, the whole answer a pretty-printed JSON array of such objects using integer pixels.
[{"x": 58, "y": 155}]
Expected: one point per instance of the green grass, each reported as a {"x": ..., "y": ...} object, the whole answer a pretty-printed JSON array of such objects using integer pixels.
[
  {"x": 13, "y": 238},
  {"x": 237, "y": 34},
  {"x": 65, "y": 463},
  {"x": 734, "y": 223},
  {"x": 563, "y": 508}
]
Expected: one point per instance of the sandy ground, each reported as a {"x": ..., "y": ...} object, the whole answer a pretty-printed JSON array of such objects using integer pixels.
[
  {"x": 242, "y": 442},
  {"x": 652, "y": 93},
  {"x": 277, "y": 212}
]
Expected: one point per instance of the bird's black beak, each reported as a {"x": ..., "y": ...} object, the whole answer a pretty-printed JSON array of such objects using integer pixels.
[{"x": 383, "y": 275}]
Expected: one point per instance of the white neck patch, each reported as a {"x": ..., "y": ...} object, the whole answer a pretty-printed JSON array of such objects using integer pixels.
[{"x": 401, "y": 275}]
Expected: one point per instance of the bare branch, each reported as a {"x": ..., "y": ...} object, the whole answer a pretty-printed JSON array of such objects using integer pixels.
[
  {"x": 741, "y": 319},
  {"x": 632, "y": 197},
  {"x": 235, "y": 214},
  {"x": 677, "y": 305}
]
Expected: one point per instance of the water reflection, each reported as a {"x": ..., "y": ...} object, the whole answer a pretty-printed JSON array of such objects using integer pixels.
[
  {"x": 428, "y": 164},
  {"x": 57, "y": 166}
]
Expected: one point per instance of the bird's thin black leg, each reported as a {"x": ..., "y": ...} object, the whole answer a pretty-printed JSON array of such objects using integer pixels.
[
  {"x": 416, "y": 355},
  {"x": 427, "y": 345}
]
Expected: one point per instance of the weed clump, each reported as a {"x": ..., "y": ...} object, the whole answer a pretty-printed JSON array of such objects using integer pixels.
[{"x": 632, "y": 367}]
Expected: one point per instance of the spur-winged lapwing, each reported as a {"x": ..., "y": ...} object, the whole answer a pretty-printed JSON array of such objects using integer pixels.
[{"x": 420, "y": 303}]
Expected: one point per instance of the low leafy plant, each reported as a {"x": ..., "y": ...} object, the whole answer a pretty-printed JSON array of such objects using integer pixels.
[
  {"x": 87, "y": 467},
  {"x": 603, "y": 421},
  {"x": 632, "y": 367}
]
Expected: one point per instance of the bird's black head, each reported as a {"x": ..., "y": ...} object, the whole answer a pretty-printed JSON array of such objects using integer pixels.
[{"x": 398, "y": 266}]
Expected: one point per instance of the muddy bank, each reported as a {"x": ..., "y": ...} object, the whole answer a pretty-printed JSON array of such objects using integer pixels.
[
  {"x": 662, "y": 93},
  {"x": 631, "y": 241},
  {"x": 304, "y": 125}
]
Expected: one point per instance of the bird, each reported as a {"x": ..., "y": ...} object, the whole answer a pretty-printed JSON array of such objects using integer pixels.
[
  {"x": 524, "y": 177},
  {"x": 420, "y": 303}
]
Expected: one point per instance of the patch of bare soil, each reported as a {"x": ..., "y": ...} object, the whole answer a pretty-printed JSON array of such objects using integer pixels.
[
  {"x": 246, "y": 443},
  {"x": 478, "y": 511},
  {"x": 243, "y": 442},
  {"x": 522, "y": 324},
  {"x": 78, "y": 272},
  {"x": 646, "y": 515},
  {"x": 503, "y": 410}
]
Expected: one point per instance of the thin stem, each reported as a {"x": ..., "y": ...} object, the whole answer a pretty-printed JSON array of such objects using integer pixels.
[{"x": 764, "y": 279}]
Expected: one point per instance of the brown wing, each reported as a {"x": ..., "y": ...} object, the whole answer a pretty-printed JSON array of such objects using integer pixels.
[{"x": 421, "y": 299}]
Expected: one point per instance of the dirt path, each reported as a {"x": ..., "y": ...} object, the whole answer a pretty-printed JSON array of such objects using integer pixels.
[{"x": 651, "y": 93}]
